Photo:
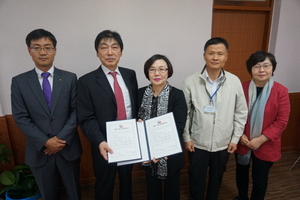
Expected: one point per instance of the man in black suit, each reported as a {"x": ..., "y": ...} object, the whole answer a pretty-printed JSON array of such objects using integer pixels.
[
  {"x": 53, "y": 147},
  {"x": 97, "y": 104}
]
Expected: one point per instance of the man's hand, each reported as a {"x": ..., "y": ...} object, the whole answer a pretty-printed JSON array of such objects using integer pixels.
[
  {"x": 189, "y": 146},
  {"x": 231, "y": 147},
  {"x": 104, "y": 148},
  {"x": 54, "y": 145}
]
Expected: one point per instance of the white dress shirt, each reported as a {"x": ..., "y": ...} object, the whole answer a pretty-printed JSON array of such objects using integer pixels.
[{"x": 213, "y": 86}]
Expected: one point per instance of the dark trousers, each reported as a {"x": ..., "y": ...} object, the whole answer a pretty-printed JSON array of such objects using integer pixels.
[
  {"x": 260, "y": 174},
  {"x": 55, "y": 169},
  {"x": 155, "y": 187},
  {"x": 202, "y": 161},
  {"x": 105, "y": 181},
  {"x": 105, "y": 178}
]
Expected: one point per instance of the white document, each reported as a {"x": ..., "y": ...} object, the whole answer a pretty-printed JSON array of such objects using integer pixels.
[
  {"x": 143, "y": 146},
  {"x": 122, "y": 138},
  {"x": 158, "y": 138},
  {"x": 162, "y": 136}
]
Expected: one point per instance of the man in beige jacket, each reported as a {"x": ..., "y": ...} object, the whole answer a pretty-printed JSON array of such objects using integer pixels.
[{"x": 217, "y": 113}]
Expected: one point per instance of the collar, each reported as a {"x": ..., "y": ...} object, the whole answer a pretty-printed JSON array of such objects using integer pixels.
[
  {"x": 39, "y": 72},
  {"x": 106, "y": 70},
  {"x": 220, "y": 78},
  {"x": 222, "y": 70},
  {"x": 221, "y": 75}
]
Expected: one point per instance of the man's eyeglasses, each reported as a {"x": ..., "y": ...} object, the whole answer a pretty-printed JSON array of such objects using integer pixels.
[
  {"x": 39, "y": 49},
  {"x": 161, "y": 70}
]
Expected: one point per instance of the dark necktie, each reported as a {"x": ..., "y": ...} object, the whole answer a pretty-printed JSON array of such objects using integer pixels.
[
  {"x": 47, "y": 89},
  {"x": 119, "y": 98}
]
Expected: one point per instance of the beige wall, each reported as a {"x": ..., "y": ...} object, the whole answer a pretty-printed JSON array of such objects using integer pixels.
[
  {"x": 175, "y": 28},
  {"x": 285, "y": 43}
]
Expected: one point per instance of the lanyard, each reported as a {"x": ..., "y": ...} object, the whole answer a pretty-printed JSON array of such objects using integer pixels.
[{"x": 210, "y": 98}]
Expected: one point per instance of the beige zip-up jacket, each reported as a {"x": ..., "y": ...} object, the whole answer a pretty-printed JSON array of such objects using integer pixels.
[{"x": 214, "y": 132}]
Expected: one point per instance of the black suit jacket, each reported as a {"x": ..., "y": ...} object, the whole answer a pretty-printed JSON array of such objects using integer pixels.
[
  {"x": 177, "y": 105},
  {"x": 31, "y": 113},
  {"x": 96, "y": 103}
]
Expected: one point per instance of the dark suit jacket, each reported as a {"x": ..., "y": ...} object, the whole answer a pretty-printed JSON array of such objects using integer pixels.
[
  {"x": 30, "y": 111},
  {"x": 96, "y": 103},
  {"x": 177, "y": 105}
]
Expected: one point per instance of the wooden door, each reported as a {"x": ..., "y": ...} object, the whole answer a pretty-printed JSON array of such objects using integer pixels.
[{"x": 246, "y": 28}]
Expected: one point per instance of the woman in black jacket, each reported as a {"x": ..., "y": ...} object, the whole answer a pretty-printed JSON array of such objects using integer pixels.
[{"x": 156, "y": 99}]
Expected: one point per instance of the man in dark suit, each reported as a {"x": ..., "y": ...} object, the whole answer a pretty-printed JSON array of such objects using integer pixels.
[
  {"x": 97, "y": 104},
  {"x": 53, "y": 146}
]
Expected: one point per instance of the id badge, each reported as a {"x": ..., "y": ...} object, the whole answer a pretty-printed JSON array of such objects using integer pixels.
[{"x": 209, "y": 110}]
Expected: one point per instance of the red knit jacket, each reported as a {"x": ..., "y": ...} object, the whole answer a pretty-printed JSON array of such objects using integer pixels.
[{"x": 276, "y": 117}]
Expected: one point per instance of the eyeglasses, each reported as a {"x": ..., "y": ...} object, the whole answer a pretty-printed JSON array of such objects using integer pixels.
[
  {"x": 161, "y": 70},
  {"x": 39, "y": 49},
  {"x": 265, "y": 66}
]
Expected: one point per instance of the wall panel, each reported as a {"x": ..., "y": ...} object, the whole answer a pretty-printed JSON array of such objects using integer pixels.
[
  {"x": 10, "y": 133},
  {"x": 5, "y": 139},
  {"x": 291, "y": 136}
]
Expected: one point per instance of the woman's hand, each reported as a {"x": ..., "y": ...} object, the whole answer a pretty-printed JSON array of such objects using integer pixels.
[
  {"x": 156, "y": 160},
  {"x": 256, "y": 142},
  {"x": 244, "y": 140}
]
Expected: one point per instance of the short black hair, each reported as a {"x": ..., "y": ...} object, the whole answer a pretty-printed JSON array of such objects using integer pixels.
[
  {"x": 260, "y": 56},
  {"x": 214, "y": 41},
  {"x": 38, "y": 34},
  {"x": 108, "y": 34},
  {"x": 154, "y": 58}
]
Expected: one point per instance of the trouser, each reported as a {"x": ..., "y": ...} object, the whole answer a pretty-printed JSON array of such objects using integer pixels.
[
  {"x": 55, "y": 169},
  {"x": 202, "y": 161},
  {"x": 260, "y": 173},
  {"x": 155, "y": 187},
  {"x": 105, "y": 178}
]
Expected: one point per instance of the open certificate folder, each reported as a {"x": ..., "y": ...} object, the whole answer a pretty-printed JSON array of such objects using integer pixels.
[{"x": 158, "y": 137}]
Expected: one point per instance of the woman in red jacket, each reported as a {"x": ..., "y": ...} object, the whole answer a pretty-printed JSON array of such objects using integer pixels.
[{"x": 269, "y": 108}]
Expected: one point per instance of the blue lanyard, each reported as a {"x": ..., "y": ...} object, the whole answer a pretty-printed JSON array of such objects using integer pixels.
[{"x": 210, "y": 98}]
